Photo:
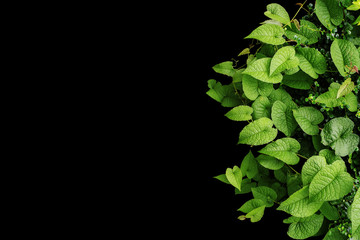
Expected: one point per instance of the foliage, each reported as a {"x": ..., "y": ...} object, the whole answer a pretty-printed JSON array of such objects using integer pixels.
[{"x": 298, "y": 94}]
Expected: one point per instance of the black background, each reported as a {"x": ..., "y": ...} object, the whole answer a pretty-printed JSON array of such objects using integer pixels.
[{"x": 218, "y": 37}]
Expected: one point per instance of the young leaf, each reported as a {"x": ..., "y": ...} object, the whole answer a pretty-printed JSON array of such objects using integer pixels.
[
  {"x": 337, "y": 134},
  {"x": 260, "y": 69},
  {"x": 240, "y": 113},
  {"x": 266, "y": 194},
  {"x": 251, "y": 205},
  {"x": 234, "y": 176},
  {"x": 298, "y": 204},
  {"x": 308, "y": 119},
  {"x": 268, "y": 33},
  {"x": 346, "y": 87},
  {"x": 302, "y": 228},
  {"x": 283, "y": 59},
  {"x": 225, "y": 94},
  {"x": 258, "y": 132},
  {"x": 329, "y": 12},
  {"x": 330, "y": 183},
  {"x": 277, "y": 12},
  {"x": 225, "y": 68},
  {"x": 345, "y": 55},
  {"x": 256, "y": 214},
  {"x": 284, "y": 149}
]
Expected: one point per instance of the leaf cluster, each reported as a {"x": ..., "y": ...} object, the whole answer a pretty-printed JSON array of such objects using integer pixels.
[{"x": 298, "y": 93}]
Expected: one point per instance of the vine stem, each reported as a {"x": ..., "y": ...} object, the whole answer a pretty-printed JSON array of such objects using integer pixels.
[
  {"x": 292, "y": 169},
  {"x": 302, "y": 156},
  {"x": 296, "y": 13}
]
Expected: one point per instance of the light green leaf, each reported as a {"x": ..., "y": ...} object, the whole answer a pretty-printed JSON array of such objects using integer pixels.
[
  {"x": 256, "y": 214},
  {"x": 277, "y": 12},
  {"x": 337, "y": 134},
  {"x": 234, "y": 176},
  {"x": 345, "y": 56},
  {"x": 253, "y": 87},
  {"x": 262, "y": 108},
  {"x": 355, "y": 214},
  {"x": 346, "y": 87},
  {"x": 240, "y": 113},
  {"x": 259, "y": 132},
  {"x": 260, "y": 69},
  {"x": 283, "y": 59},
  {"x": 269, "y": 162},
  {"x": 329, "y": 98},
  {"x": 308, "y": 119},
  {"x": 225, "y": 68},
  {"x": 268, "y": 33},
  {"x": 311, "y": 167},
  {"x": 266, "y": 194},
  {"x": 330, "y": 183},
  {"x": 251, "y": 205},
  {"x": 329, "y": 12},
  {"x": 329, "y": 155},
  {"x": 284, "y": 149},
  {"x": 298, "y": 204},
  {"x": 283, "y": 118},
  {"x": 299, "y": 80},
  {"x": 312, "y": 62},
  {"x": 225, "y": 94},
  {"x": 351, "y": 101},
  {"x": 308, "y": 33},
  {"x": 249, "y": 166},
  {"x": 302, "y": 228}
]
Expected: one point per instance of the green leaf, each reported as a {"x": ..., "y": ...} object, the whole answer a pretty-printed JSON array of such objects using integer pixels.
[
  {"x": 240, "y": 113},
  {"x": 283, "y": 59},
  {"x": 249, "y": 166},
  {"x": 302, "y": 228},
  {"x": 329, "y": 98},
  {"x": 225, "y": 68},
  {"x": 337, "y": 134},
  {"x": 283, "y": 118},
  {"x": 308, "y": 33},
  {"x": 331, "y": 183},
  {"x": 329, "y": 211},
  {"x": 329, "y": 12},
  {"x": 308, "y": 119},
  {"x": 251, "y": 205},
  {"x": 268, "y": 33},
  {"x": 259, "y": 132},
  {"x": 345, "y": 56},
  {"x": 329, "y": 155},
  {"x": 334, "y": 234},
  {"x": 284, "y": 149},
  {"x": 346, "y": 87},
  {"x": 225, "y": 94},
  {"x": 298, "y": 204},
  {"x": 256, "y": 214},
  {"x": 234, "y": 176},
  {"x": 355, "y": 214},
  {"x": 266, "y": 194},
  {"x": 269, "y": 162},
  {"x": 299, "y": 80},
  {"x": 351, "y": 101},
  {"x": 262, "y": 108},
  {"x": 311, "y": 167},
  {"x": 277, "y": 12},
  {"x": 260, "y": 69},
  {"x": 312, "y": 62},
  {"x": 253, "y": 87}
]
